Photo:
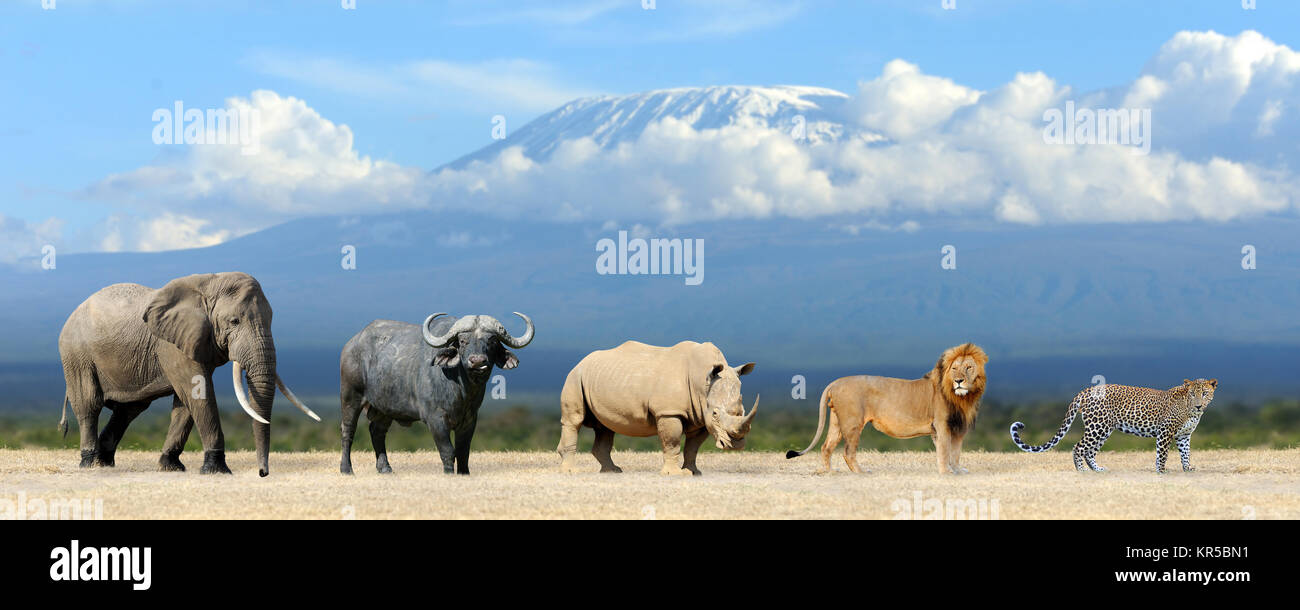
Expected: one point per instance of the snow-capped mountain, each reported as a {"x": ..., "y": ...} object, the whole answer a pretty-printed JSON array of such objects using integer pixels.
[{"x": 611, "y": 119}]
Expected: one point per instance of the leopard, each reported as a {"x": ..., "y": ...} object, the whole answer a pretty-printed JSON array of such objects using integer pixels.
[{"x": 1170, "y": 416}]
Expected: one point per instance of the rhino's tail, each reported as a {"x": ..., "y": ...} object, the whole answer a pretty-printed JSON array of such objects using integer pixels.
[
  {"x": 63, "y": 420},
  {"x": 821, "y": 425}
]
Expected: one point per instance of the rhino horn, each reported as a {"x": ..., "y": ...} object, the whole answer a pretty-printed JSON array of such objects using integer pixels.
[{"x": 738, "y": 425}]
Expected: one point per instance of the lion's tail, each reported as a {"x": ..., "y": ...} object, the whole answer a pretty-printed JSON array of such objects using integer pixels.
[
  {"x": 63, "y": 420},
  {"x": 1065, "y": 427},
  {"x": 821, "y": 425}
]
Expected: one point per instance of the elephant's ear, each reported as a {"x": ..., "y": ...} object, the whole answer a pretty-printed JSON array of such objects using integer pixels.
[{"x": 177, "y": 315}]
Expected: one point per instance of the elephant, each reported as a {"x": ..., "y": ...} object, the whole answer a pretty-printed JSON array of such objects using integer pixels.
[{"x": 128, "y": 345}]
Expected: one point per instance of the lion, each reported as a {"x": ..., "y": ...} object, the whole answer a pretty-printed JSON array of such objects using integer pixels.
[{"x": 943, "y": 404}]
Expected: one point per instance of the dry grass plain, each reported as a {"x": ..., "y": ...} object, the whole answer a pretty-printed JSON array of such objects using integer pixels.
[{"x": 1229, "y": 484}]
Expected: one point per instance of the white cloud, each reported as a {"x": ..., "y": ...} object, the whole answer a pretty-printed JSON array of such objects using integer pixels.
[
  {"x": 20, "y": 239},
  {"x": 903, "y": 101},
  {"x": 953, "y": 151},
  {"x": 305, "y": 165}
]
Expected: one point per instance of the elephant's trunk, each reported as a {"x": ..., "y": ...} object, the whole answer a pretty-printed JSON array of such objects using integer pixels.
[{"x": 259, "y": 365}]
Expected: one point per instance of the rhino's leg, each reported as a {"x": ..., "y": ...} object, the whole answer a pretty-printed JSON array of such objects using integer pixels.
[
  {"x": 573, "y": 410},
  {"x": 693, "y": 442},
  {"x": 602, "y": 447},
  {"x": 670, "y": 435}
]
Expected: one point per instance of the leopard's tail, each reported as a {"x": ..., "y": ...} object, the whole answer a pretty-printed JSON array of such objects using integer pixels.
[{"x": 1065, "y": 427}]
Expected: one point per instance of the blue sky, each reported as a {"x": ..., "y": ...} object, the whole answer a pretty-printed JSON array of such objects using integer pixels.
[{"x": 418, "y": 82}]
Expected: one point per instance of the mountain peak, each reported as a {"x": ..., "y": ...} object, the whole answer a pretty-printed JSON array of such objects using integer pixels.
[{"x": 612, "y": 119}]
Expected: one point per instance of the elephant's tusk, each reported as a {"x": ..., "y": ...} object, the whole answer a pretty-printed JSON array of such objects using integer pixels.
[
  {"x": 237, "y": 374},
  {"x": 284, "y": 389}
]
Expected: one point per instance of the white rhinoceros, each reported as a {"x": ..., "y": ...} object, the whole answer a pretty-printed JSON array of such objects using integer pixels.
[{"x": 644, "y": 390}]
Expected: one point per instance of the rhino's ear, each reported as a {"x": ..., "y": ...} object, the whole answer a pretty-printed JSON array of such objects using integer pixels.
[
  {"x": 447, "y": 357},
  {"x": 504, "y": 358},
  {"x": 717, "y": 370},
  {"x": 745, "y": 368}
]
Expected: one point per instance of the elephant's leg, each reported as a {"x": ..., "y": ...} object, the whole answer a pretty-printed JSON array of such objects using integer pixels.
[
  {"x": 602, "y": 447},
  {"x": 670, "y": 436},
  {"x": 351, "y": 401},
  {"x": 693, "y": 442},
  {"x": 88, "y": 421},
  {"x": 123, "y": 415},
  {"x": 442, "y": 438},
  {"x": 178, "y": 433},
  {"x": 86, "y": 400},
  {"x": 464, "y": 436},
  {"x": 201, "y": 399},
  {"x": 379, "y": 440}
]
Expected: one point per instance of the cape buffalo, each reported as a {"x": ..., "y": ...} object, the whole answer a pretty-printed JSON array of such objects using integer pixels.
[{"x": 435, "y": 373}]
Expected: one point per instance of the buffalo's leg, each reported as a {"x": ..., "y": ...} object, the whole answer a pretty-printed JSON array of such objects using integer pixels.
[
  {"x": 693, "y": 442},
  {"x": 378, "y": 439},
  {"x": 832, "y": 441},
  {"x": 178, "y": 433},
  {"x": 464, "y": 436},
  {"x": 350, "y": 401},
  {"x": 573, "y": 409},
  {"x": 442, "y": 438},
  {"x": 602, "y": 447},
  {"x": 123, "y": 414},
  {"x": 670, "y": 435}
]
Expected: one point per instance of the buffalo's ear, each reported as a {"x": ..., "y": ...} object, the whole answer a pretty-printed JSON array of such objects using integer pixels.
[
  {"x": 447, "y": 357},
  {"x": 504, "y": 358},
  {"x": 1214, "y": 383},
  {"x": 178, "y": 316},
  {"x": 745, "y": 369}
]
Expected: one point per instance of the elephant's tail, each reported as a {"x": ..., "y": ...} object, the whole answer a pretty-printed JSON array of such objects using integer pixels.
[
  {"x": 821, "y": 424},
  {"x": 63, "y": 421}
]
